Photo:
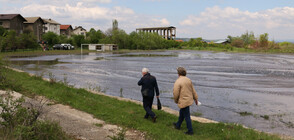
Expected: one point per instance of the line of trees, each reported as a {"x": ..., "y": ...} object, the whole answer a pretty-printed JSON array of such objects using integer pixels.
[
  {"x": 9, "y": 41},
  {"x": 134, "y": 40},
  {"x": 248, "y": 40}
]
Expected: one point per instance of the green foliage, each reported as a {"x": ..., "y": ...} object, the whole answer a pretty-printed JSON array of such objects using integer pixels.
[
  {"x": 51, "y": 38},
  {"x": 248, "y": 38},
  {"x": 149, "y": 41},
  {"x": 11, "y": 111},
  {"x": 10, "y": 41},
  {"x": 239, "y": 43},
  {"x": 243, "y": 41},
  {"x": 78, "y": 40},
  {"x": 119, "y": 37},
  {"x": 63, "y": 39},
  {"x": 3, "y": 31},
  {"x": 198, "y": 42},
  {"x": 263, "y": 40},
  {"x": 262, "y": 43},
  {"x": 18, "y": 122},
  {"x": 266, "y": 117},
  {"x": 94, "y": 36},
  {"x": 120, "y": 135},
  {"x": 141, "y": 40},
  {"x": 3, "y": 79},
  {"x": 28, "y": 41},
  {"x": 286, "y": 44}
]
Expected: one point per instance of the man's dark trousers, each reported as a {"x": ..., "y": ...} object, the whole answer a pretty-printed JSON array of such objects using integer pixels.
[
  {"x": 147, "y": 104},
  {"x": 185, "y": 114}
]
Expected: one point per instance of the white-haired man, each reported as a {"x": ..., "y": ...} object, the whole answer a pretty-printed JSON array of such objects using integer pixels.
[{"x": 149, "y": 84}]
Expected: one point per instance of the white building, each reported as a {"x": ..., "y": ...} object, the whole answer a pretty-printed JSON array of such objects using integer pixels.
[
  {"x": 79, "y": 31},
  {"x": 51, "y": 26}
]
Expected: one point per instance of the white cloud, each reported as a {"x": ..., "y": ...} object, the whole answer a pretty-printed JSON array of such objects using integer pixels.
[
  {"x": 100, "y": 1},
  {"x": 77, "y": 12},
  {"x": 92, "y": 16},
  {"x": 161, "y": 22},
  {"x": 232, "y": 21},
  {"x": 164, "y": 22}
]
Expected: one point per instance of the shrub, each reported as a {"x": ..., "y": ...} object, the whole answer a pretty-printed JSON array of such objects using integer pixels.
[
  {"x": 238, "y": 43},
  {"x": 263, "y": 40},
  {"x": 18, "y": 122}
]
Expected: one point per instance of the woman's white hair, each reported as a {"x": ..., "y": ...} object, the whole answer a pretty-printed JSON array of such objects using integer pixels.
[{"x": 145, "y": 70}]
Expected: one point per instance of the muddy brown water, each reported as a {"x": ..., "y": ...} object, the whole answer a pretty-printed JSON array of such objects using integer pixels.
[{"x": 256, "y": 90}]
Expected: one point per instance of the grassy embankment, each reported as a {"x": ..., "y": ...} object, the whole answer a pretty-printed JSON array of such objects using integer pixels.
[{"x": 126, "y": 114}]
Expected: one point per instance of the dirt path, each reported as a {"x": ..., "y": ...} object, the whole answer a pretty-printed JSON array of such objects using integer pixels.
[{"x": 76, "y": 123}]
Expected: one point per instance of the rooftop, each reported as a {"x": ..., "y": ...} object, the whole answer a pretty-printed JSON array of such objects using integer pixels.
[
  {"x": 10, "y": 16},
  {"x": 65, "y": 27},
  {"x": 51, "y": 21},
  {"x": 32, "y": 19}
]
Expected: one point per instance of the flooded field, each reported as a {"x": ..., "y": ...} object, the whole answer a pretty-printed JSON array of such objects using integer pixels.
[{"x": 256, "y": 90}]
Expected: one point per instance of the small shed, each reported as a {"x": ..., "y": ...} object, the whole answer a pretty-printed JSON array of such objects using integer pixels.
[{"x": 102, "y": 47}]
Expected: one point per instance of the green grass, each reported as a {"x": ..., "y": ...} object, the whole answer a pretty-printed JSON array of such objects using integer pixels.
[
  {"x": 41, "y": 52},
  {"x": 126, "y": 114},
  {"x": 146, "y": 55},
  {"x": 244, "y": 50},
  {"x": 245, "y": 113}
]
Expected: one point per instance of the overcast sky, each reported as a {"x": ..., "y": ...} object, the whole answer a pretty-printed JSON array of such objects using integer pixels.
[{"x": 209, "y": 19}]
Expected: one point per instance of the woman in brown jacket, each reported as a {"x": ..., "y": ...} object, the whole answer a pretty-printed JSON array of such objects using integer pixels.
[{"x": 184, "y": 96}]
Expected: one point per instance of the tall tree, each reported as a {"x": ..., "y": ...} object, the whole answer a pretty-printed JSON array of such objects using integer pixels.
[{"x": 51, "y": 38}]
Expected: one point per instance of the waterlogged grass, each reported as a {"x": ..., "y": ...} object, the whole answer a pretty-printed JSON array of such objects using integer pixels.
[
  {"x": 99, "y": 58},
  {"x": 126, "y": 114},
  {"x": 41, "y": 53},
  {"x": 244, "y": 50},
  {"x": 36, "y": 62},
  {"x": 147, "y": 55},
  {"x": 245, "y": 113}
]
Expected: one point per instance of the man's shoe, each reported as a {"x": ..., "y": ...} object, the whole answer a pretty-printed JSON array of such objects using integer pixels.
[
  {"x": 154, "y": 119},
  {"x": 175, "y": 125},
  {"x": 189, "y": 133}
]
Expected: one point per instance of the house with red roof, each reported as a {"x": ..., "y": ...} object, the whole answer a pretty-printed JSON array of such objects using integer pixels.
[
  {"x": 12, "y": 22},
  {"x": 66, "y": 30}
]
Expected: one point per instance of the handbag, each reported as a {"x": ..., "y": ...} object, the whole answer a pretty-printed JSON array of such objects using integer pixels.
[{"x": 158, "y": 104}]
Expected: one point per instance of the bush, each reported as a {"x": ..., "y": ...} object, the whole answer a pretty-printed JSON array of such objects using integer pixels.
[
  {"x": 3, "y": 79},
  {"x": 18, "y": 122},
  {"x": 41, "y": 130},
  {"x": 28, "y": 41},
  {"x": 238, "y": 43},
  {"x": 263, "y": 40},
  {"x": 51, "y": 38}
]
